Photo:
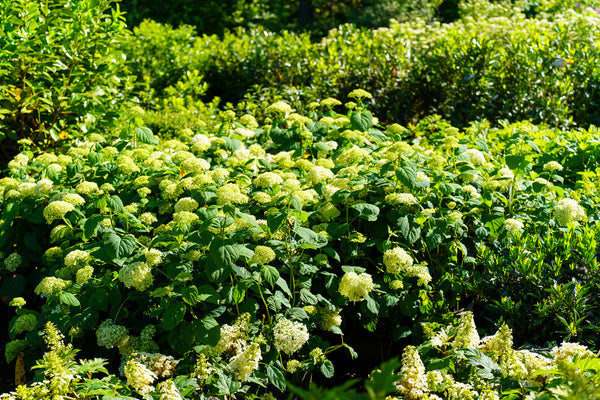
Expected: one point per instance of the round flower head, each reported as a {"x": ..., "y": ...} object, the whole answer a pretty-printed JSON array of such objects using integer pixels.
[
  {"x": 263, "y": 255},
  {"x": 12, "y": 262},
  {"x": 186, "y": 204},
  {"x": 568, "y": 211},
  {"x": 396, "y": 199},
  {"x": 280, "y": 107},
  {"x": 471, "y": 191},
  {"x": 57, "y": 210},
  {"x": 110, "y": 335},
  {"x": 50, "y": 285},
  {"x": 513, "y": 225},
  {"x": 230, "y": 194},
  {"x": 87, "y": 188},
  {"x": 136, "y": 275},
  {"x": 397, "y": 260},
  {"x": 77, "y": 258},
  {"x": 475, "y": 156},
  {"x": 553, "y": 166},
  {"x": 17, "y": 302},
  {"x": 566, "y": 351},
  {"x": 413, "y": 381},
  {"x": 267, "y": 180},
  {"x": 73, "y": 198},
  {"x": 290, "y": 336},
  {"x": 153, "y": 256},
  {"x": 25, "y": 323},
  {"x": 318, "y": 174},
  {"x": 355, "y": 287},
  {"x": 84, "y": 274},
  {"x": 359, "y": 94}
]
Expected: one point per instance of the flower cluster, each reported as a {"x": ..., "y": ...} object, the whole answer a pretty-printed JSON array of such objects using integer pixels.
[
  {"x": 12, "y": 262},
  {"x": 475, "y": 156},
  {"x": 289, "y": 336},
  {"x": 513, "y": 225},
  {"x": 263, "y": 255},
  {"x": 397, "y": 260},
  {"x": 355, "y": 287},
  {"x": 110, "y": 335},
  {"x": 466, "y": 335},
  {"x": 77, "y": 258},
  {"x": 57, "y": 210},
  {"x": 245, "y": 362},
  {"x": 233, "y": 337},
  {"x": 168, "y": 391},
  {"x": 413, "y": 381},
  {"x": 137, "y": 275},
  {"x": 139, "y": 377},
  {"x": 50, "y": 285},
  {"x": 568, "y": 211},
  {"x": 405, "y": 199}
]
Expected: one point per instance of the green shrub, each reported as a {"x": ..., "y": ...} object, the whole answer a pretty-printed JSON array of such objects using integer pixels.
[{"x": 61, "y": 71}]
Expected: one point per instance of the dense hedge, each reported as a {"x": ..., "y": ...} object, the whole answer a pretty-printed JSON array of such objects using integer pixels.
[{"x": 493, "y": 63}]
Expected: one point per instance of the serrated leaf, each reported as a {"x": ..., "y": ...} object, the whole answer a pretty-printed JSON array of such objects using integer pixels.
[
  {"x": 115, "y": 203},
  {"x": 69, "y": 299},
  {"x": 361, "y": 120},
  {"x": 270, "y": 274},
  {"x": 307, "y": 238},
  {"x": 275, "y": 220},
  {"x": 117, "y": 247},
  {"x": 276, "y": 377},
  {"x": 327, "y": 369},
  {"x": 91, "y": 225},
  {"x": 307, "y": 297},
  {"x": 367, "y": 211},
  {"x": 407, "y": 174},
  {"x": 145, "y": 135},
  {"x": 190, "y": 295},
  {"x": 173, "y": 315}
]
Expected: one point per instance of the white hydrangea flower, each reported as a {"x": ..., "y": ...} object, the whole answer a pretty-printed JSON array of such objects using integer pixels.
[
  {"x": 137, "y": 275},
  {"x": 110, "y": 335},
  {"x": 267, "y": 180},
  {"x": 475, "y": 156},
  {"x": 318, "y": 174},
  {"x": 245, "y": 362},
  {"x": 568, "y": 211},
  {"x": 466, "y": 335},
  {"x": 77, "y": 258},
  {"x": 57, "y": 210},
  {"x": 413, "y": 381},
  {"x": 139, "y": 377},
  {"x": 355, "y": 287},
  {"x": 397, "y": 260},
  {"x": 290, "y": 336},
  {"x": 513, "y": 225},
  {"x": 396, "y": 199}
]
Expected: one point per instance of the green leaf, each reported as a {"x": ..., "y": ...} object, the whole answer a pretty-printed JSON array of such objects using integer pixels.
[
  {"x": 117, "y": 247},
  {"x": 99, "y": 300},
  {"x": 433, "y": 239},
  {"x": 275, "y": 220},
  {"x": 182, "y": 337},
  {"x": 276, "y": 377},
  {"x": 384, "y": 379},
  {"x": 340, "y": 196},
  {"x": 190, "y": 295},
  {"x": 173, "y": 315},
  {"x": 514, "y": 161},
  {"x": 270, "y": 274},
  {"x": 372, "y": 305},
  {"x": 307, "y": 297},
  {"x": 407, "y": 174},
  {"x": 327, "y": 369},
  {"x": 207, "y": 331},
  {"x": 69, "y": 299},
  {"x": 309, "y": 239},
  {"x": 361, "y": 120},
  {"x": 377, "y": 135},
  {"x": 115, "y": 203},
  {"x": 144, "y": 135},
  {"x": 486, "y": 367},
  {"x": 367, "y": 211},
  {"x": 91, "y": 225}
]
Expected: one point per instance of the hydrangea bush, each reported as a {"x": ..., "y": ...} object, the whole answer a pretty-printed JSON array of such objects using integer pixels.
[{"x": 240, "y": 256}]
